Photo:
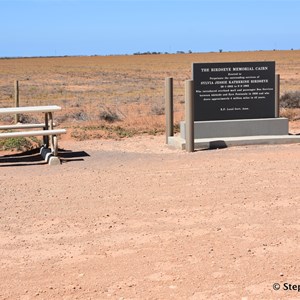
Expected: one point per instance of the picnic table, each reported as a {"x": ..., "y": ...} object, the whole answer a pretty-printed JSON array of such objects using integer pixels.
[{"x": 46, "y": 129}]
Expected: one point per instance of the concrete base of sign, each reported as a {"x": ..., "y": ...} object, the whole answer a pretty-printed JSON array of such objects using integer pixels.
[
  {"x": 238, "y": 128},
  {"x": 224, "y": 142}
]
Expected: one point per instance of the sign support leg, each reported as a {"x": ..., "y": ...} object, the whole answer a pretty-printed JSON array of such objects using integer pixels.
[
  {"x": 189, "y": 115},
  {"x": 169, "y": 107}
]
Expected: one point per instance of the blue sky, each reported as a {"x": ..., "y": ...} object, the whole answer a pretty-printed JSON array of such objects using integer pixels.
[{"x": 103, "y": 27}]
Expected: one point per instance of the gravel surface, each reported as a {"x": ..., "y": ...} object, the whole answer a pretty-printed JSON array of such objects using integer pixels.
[{"x": 135, "y": 219}]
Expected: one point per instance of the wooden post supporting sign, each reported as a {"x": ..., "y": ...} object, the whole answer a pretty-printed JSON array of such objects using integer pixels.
[
  {"x": 189, "y": 115},
  {"x": 277, "y": 95},
  {"x": 169, "y": 107}
]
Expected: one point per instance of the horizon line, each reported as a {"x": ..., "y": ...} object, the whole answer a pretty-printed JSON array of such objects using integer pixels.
[{"x": 143, "y": 53}]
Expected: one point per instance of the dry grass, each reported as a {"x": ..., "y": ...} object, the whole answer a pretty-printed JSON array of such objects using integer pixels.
[
  {"x": 131, "y": 86},
  {"x": 292, "y": 114}
]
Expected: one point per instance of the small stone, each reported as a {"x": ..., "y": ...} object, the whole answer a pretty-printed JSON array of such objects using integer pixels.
[{"x": 173, "y": 287}]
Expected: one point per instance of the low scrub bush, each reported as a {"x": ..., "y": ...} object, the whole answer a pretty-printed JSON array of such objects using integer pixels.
[
  {"x": 290, "y": 99},
  {"x": 19, "y": 143},
  {"x": 101, "y": 131},
  {"x": 291, "y": 113},
  {"x": 62, "y": 118},
  {"x": 79, "y": 116},
  {"x": 7, "y": 119},
  {"x": 109, "y": 116},
  {"x": 27, "y": 119},
  {"x": 157, "y": 110}
]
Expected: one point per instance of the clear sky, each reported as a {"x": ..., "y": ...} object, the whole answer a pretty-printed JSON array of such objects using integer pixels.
[{"x": 103, "y": 27}]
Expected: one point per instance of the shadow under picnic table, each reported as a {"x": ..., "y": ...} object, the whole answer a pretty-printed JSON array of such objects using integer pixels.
[{"x": 33, "y": 157}]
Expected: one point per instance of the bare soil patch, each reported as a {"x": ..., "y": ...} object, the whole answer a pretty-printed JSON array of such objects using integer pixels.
[{"x": 138, "y": 220}]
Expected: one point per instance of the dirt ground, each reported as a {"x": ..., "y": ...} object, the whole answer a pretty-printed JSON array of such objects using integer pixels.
[{"x": 135, "y": 219}]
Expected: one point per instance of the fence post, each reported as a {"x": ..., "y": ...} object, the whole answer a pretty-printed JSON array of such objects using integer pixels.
[
  {"x": 277, "y": 95},
  {"x": 169, "y": 107},
  {"x": 189, "y": 115},
  {"x": 17, "y": 103}
]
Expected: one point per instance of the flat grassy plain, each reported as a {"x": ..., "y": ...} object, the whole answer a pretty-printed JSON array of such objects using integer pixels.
[{"x": 130, "y": 88}]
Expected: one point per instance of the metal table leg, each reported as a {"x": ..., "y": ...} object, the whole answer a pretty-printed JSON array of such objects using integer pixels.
[
  {"x": 45, "y": 137},
  {"x": 52, "y": 146}
]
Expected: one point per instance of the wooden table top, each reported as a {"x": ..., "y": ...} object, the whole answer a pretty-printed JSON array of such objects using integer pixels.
[{"x": 29, "y": 109}]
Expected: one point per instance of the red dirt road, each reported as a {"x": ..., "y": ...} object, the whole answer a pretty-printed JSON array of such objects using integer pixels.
[{"x": 138, "y": 220}]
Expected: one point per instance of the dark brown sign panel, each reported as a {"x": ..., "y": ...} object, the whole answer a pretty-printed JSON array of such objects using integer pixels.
[{"x": 240, "y": 90}]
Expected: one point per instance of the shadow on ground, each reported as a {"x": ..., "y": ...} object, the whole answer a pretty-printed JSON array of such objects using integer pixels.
[{"x": 33, "y": 157}]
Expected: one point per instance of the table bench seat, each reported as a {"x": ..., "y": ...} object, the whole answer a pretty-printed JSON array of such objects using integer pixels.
[
  {"x": 50, "y": 132},
  {"x": 29, "y": 109},
  {"x": 32, "y": 133},
  {"x": 22, "y": 126}
]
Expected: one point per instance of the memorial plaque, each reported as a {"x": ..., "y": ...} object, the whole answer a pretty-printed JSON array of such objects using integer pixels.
[{"x": 239, "y": 90}]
